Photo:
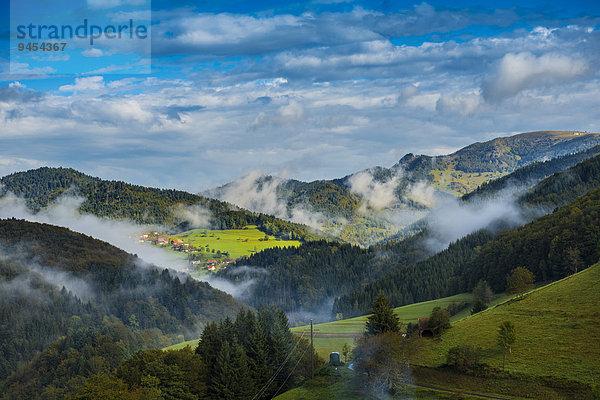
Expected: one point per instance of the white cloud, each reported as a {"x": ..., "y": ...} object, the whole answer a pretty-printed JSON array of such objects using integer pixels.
[
  {"x": 17, "y": 69},
  {"x": 326, "y": 96},
  {"x": 376, "y": 194},
  {"x": 520, "y": 71},
  {"x": 453, "y": 219},
  {"x": 94, "y": 52},
  {"x": 462, "y": 104},
  {"x": 84, "y": 84}
]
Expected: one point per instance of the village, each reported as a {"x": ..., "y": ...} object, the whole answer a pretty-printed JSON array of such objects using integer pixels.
[{"x": 201, "y": 258}]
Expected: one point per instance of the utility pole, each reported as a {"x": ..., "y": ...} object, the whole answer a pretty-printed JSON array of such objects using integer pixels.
[{"x": 312, "y": 351}]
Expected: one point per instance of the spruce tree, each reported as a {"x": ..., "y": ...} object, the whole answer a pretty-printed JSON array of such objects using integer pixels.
[
  {"x": 383, "y": 318},
  {"x": 220, "y": 378},
  {"x": 230, "y": 379},
  {"x": 210, "y": 344},
  {"x": 257, "y": 352}
]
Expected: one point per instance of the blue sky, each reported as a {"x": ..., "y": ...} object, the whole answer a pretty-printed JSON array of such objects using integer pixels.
[{"x": 304, "y": 90}]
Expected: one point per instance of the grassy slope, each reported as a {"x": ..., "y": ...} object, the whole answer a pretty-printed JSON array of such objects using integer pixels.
[
  {"x": 452, "y": 180},
  {"x": 458, "y": 182},
  {"x": 558, "y": 331},
  {"x": 331, "y": 336},
  {"x": 238, "y": 242},
  {"x": 345, "y": 386}
]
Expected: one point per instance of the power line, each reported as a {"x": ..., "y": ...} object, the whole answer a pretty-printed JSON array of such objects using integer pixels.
[
  {"x": 272, "y": 378},
  {"x": 290, "y": 374}
]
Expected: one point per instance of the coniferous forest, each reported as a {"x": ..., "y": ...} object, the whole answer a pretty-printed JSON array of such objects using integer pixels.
[{"x": 82, "y": 319}]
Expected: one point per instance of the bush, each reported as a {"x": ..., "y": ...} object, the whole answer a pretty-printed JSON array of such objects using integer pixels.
[
  {"x": 483, "y": 292},
  {"x": 412, "y": 329},
  {"x": 463, "y": 358},
  {"x": 456, "y": 307},
  {"x": 439, "y": 321},
  {"x": 478, "y": 307},
  {"x": 519, "y": 280}
]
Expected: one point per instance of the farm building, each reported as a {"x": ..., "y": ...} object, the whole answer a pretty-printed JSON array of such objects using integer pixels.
[{"x": 424, "y": 329}]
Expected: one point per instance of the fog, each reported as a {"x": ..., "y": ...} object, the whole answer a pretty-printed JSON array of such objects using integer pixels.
[
  {"x": 318, "y": 315},
  {"x": 260, "y": 193},
  {"x": 22, "y": 283},
  {"x": 452, "y": 219},
  {"x": 376, "y": 194},
  {"x": 122, "y": 234},
  {"x": 197, "y": 216},
  {"x": 381, "y": 201}
]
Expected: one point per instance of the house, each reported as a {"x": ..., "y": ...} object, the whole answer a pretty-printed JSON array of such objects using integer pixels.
[
  {"x": 176, "y": 241},
  {"x": 424, "y": 329}
]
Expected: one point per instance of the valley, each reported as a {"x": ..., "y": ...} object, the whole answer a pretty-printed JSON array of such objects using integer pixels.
[
  {"x": 308, "y": 200},
  {"x": 283, "y": 274},
  {"x": 211, "y": 250}
]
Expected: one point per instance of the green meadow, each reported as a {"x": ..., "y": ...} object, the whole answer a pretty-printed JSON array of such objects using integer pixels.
[
  {"x": 332, "y": 336},
  {"x": 236, "y": 242},
  {"x": 558, "y": 331},
  {"x": 556, "y": 354}
]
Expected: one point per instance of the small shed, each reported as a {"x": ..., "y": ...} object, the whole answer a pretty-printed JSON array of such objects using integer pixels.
[
  {"x": 424, "y": 329},
  {"x": 334, "y": 359}
]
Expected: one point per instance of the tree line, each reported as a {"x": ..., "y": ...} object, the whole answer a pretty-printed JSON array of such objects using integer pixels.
[
  {"x": 254, "y": 356},
  {"x": 143, "y": 205},
  {"x": 551, "y": 247},
  {"x": 304, "y": 278},
  {"x": 108, "y": 284}
]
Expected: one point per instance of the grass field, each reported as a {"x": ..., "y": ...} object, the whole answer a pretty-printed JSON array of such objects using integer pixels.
[
  {"x": 343, "y": 385},
  {"x": 556, "y": 355},
  {"x": 331, "y": 336},
  {"x": 558, "y": 331},
  {"x": 236, "y": 242}
]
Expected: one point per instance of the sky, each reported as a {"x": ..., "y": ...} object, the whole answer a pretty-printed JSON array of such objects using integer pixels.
[{"x": 305, "y": 90}]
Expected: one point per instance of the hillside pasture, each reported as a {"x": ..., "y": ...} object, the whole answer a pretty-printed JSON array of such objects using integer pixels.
[
  {"x": 236, "y": 242},
  {"x": 557, "y": 327},
  {"x": 332, "y": 336}
]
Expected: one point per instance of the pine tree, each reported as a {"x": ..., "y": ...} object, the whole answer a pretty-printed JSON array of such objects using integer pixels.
[
  {"x": 221, "y": 381},
  {"x": 209, "y": 345},
  {"x": 257, "y": 352},
  {"x": 383, "y": 318},
  {"x": 243, "y": 387}
]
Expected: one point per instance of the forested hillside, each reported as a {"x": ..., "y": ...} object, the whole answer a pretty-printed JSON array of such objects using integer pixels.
[
  {"x": 346, "y": 203},
  {"x": 325, "y": 197},
  {"x": 551, "y": 247},
  {"x": 51, "y": 275},
  {"x": 469, "y": 167},
  {"x": 562, "y": 188},
  {"x": 308, "y": 277},
  {"x": 530, "y": 175},
  {"x": 254, "y": 356},
  {"x": 429, "y": 279},
  {"x": 144, "y": 205}
]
